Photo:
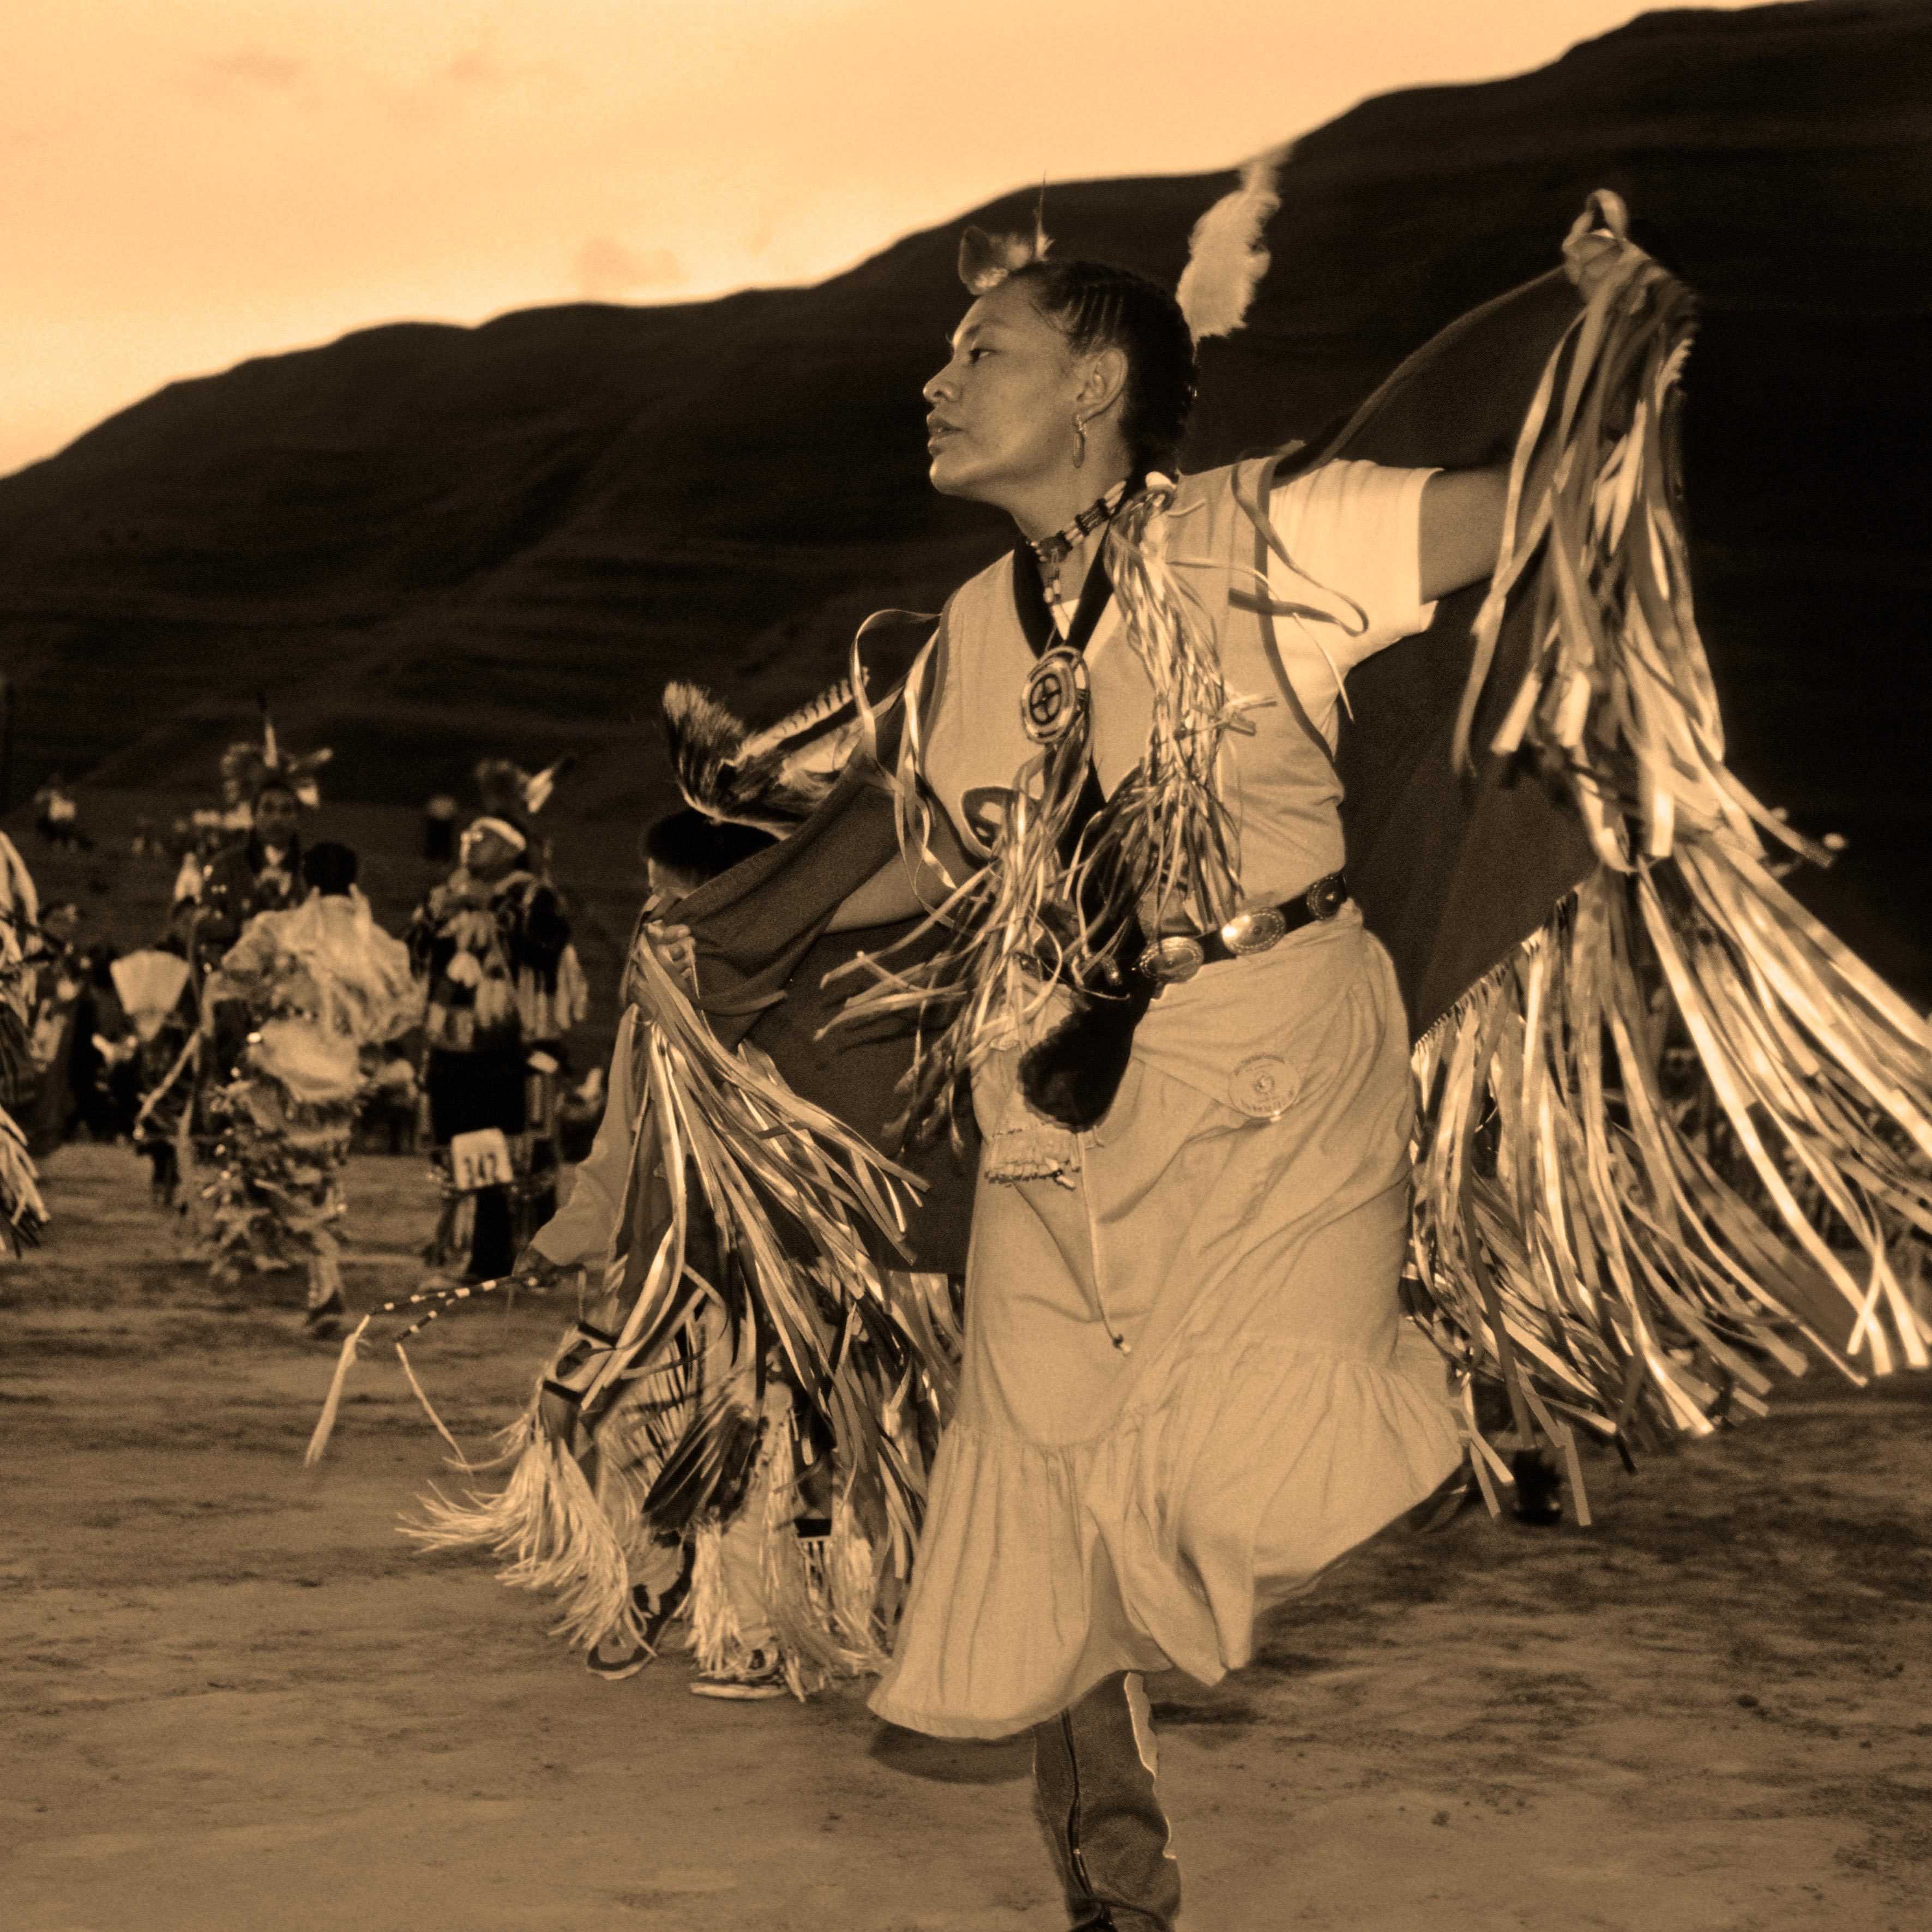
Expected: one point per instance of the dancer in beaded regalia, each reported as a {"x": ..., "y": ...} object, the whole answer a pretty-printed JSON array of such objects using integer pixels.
[
  {"x": 491, "y": 945},
  {"x": 321, "y": 988}
]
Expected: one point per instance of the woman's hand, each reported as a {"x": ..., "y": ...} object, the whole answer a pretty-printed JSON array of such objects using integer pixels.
[
  {"x": 1590, "y": 253},
  {"x": 534, "y": 1270}
]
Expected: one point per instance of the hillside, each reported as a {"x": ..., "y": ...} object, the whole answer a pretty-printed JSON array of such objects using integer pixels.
[{"x": 426, "y": 542}]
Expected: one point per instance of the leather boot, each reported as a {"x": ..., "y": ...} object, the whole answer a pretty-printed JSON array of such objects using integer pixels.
[{"x": 1093, "y": 1777}]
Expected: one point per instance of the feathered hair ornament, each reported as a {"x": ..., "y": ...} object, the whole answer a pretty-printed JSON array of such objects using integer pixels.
[
  {"x": 986, "y": 260},
  {"x": 1226, "y": 259},
  {"x": 509, "y": 792},
  {"x": 772, "y": 778},
  {"x": 249, "y": 768}
]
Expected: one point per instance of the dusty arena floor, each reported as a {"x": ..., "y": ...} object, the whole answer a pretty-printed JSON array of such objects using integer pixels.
[{"x": 234, "y": 1699}]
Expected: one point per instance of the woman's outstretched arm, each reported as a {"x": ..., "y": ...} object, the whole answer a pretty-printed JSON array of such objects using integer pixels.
[{"x": 1461, "y": 528}]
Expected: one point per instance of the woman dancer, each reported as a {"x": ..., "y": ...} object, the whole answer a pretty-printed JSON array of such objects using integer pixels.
[
  {"x": 1188, "y": 1388},
  {"x": 1189, "y": 1385}
]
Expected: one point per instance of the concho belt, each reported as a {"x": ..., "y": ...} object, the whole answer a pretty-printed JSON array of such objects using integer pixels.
[{"x": 1176, "y": 956}]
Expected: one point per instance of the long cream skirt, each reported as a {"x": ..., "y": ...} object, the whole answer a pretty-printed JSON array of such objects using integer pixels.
[{"x": 1188, "y": 1387}]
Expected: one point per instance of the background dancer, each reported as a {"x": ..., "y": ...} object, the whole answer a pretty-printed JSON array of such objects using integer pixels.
[
  {"x": 738, "y": 1654},
  {"x": 20, "y": 950},
  {"x": 261, "y": 872},
  {"x": 321, "y": 988},
  {"x": 55, "y": 1039},
  {"x": 754, "y": 1440},
  {"x": 491, "y": 945},
  {"x": 22, "y": 1211},
  {"x": 265, "y": 789}
]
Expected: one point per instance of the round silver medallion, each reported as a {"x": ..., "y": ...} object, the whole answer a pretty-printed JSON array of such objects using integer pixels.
[
  {"x": 1327, "y": 897},
  {"x": 1254, "y": 931},
  {"x": 1171, "y": 961},
  {"x": 1054, "y": 696},
  {"x": 1263, "y": 1088}
]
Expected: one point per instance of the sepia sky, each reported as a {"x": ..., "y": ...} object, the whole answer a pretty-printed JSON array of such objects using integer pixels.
[{"x": 184, "y": 183}]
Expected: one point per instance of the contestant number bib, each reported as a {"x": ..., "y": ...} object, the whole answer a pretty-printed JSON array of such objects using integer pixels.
[{"x": 480, "y": 1159}]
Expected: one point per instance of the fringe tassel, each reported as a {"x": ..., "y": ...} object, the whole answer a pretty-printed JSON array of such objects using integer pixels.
[
  {"x": 714, "y": 1634},
  {"x": 751, "y": 1227},
  {"x": 428, "y": 1409},
  {"x": 1683, "y": 1128},
  {"x": 547, "y": 1522},
  {"x": 22, "y": 1213},
  {"x": 539, "y": 1518},
  {"x": 325, "y": 1425},
  {"x": 436, "y": 1301},
  {"x": 1034, "y": 920},
  {"x": 1176, "y": 839},
  {"x": 821, "y": 1596}
]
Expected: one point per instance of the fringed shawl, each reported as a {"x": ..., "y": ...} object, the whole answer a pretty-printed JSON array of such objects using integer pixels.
[{"x": 1671, "y": 1129}]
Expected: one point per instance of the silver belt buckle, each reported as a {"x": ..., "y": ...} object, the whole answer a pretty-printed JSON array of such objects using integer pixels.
[
  {"x": 1172, "y": 960},
  {"x": 1254, "y": 931}
]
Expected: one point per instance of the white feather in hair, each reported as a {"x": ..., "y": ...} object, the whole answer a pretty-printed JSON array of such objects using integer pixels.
[
  {"x": 1226, "y": 259},
  {"x": 537, "y": 792},
  {"x": 509, "y": 792},
  {"x": 986, "y": 260}
]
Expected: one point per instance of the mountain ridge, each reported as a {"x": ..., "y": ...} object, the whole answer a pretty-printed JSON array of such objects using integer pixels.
[{"x": 426, "y": 542}]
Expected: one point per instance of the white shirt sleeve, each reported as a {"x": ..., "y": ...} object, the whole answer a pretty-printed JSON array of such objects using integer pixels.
[{"x": 1353, "y": 533}]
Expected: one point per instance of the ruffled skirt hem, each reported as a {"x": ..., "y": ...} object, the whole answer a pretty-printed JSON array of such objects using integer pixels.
[{"x": 1043, "y": 1568}]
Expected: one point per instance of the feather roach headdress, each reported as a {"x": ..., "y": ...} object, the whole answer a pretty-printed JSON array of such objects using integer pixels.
[
  {"x": 1225, "y": 258},
  {"x": 249, "y": 768},
  {"x": 512, "y": 796}
]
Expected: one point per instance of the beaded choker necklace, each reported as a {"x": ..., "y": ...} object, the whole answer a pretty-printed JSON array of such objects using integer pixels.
[{"x": 1052, "y": 550}]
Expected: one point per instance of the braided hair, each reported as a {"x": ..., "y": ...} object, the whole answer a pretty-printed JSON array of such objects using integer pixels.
[{"x": 1096, "y": 305}]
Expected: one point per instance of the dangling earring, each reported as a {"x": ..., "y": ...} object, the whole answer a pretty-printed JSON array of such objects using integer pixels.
[{"x": 1080, "y": 446}]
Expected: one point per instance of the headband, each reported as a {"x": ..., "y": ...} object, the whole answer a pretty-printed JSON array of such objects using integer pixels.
[{"x": 502, "y": 828}]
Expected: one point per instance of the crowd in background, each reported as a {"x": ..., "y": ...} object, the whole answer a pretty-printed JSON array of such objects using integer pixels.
[{"x": 271, "y": 1024}]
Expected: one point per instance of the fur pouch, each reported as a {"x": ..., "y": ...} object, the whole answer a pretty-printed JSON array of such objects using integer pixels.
[{"x": 1073, "y": 1074}]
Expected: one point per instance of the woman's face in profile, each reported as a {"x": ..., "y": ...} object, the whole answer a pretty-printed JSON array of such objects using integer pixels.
[{"x": 1001, "y": 413}]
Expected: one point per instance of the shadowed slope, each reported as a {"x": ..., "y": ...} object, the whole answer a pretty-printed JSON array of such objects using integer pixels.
[{"x": 427, "y": 542}]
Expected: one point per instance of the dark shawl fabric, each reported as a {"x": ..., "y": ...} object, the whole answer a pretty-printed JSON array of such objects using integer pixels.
[
  {"x": 1452, "y": 871},
  {"x": 763, "y": 952}
]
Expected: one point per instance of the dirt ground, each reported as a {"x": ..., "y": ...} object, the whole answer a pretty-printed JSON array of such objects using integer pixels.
[{"x": 234, "y": 1697}]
